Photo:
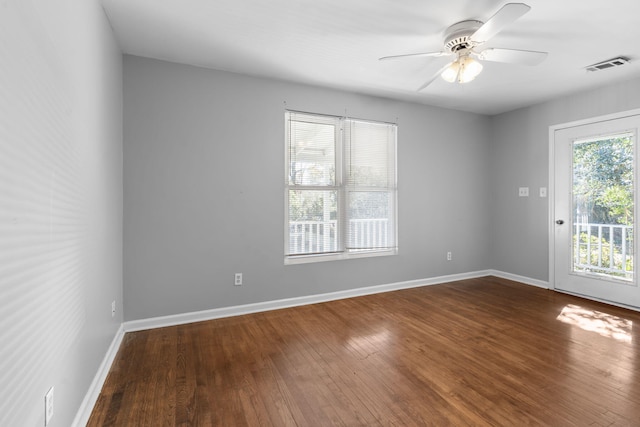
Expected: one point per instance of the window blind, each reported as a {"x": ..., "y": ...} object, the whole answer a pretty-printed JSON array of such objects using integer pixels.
[{"x": 370, "y": 165}]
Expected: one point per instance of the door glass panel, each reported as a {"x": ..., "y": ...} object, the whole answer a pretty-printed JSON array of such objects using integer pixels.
[{"x": 603, "y": 207}]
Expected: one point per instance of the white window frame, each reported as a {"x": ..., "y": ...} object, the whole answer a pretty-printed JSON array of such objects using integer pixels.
[{"x": 343, "y": 191}]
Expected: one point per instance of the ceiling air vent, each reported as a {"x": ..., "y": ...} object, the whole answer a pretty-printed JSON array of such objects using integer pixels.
[{"x": 615, "y": 62}]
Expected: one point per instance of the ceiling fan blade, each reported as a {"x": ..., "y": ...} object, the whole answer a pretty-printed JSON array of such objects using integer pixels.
[
  {"x": 513, "y": 56},
  {"x": 408, "y": 55},
  {"x": 435, "y": 76},
  {"x": 505, "y": 16}
]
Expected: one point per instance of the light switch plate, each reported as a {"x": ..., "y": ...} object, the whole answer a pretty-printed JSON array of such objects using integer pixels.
[{"x": 523, "y": 192}]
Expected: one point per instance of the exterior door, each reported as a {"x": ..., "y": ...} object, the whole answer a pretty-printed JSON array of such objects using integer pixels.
[{"x": 595, "y": 200}]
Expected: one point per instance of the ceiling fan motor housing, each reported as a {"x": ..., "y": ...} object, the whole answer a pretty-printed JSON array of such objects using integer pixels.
[{"x": 458, "y": 36}]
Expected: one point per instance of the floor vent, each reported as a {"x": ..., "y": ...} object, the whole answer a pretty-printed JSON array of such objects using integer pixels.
[{"x": 615, "y": 62}]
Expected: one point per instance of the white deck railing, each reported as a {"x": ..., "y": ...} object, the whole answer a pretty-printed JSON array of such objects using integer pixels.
[
  {"x": 308, "y": 237},
  {"x": 604, "y": 248}
]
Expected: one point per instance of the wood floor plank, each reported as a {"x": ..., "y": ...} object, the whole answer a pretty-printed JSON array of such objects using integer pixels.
[{"x": 482, "y": 352}]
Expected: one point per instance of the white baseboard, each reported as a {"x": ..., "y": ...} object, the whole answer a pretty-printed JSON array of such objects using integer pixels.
[
  {"x": 521, "y": 279},
  {"x": 216, "y": 313},
  {"x": 89, "y": 401}
]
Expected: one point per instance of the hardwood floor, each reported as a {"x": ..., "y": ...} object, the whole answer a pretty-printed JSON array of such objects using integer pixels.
[{"x": 476, "y": 352}]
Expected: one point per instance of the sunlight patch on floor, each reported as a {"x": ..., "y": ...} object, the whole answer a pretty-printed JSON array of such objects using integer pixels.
[{"x": 604, "y": 324}]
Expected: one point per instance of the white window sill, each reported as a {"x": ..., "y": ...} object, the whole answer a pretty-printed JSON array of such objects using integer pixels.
[{"x": 305, "y": 259}]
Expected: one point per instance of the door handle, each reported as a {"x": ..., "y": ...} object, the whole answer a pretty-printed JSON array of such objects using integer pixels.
[{"x": 559, "y": 222}]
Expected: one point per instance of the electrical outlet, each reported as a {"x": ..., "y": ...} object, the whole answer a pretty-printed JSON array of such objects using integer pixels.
[
  {"x": 48, "y": 406},
  {"x": 113, "y": 308},
  {"x": 449, "y": 258},
  {"x": 543, "y": 191},
  {"x": 238, "y": 279}
]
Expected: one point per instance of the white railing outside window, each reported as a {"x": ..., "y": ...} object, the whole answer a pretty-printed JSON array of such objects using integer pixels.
[
  {"x": 369, "y": 233},
  {"x": 320, "y": 236},
  {"x": 312, "y": 237},
  {"x": 604, "y": 248}
]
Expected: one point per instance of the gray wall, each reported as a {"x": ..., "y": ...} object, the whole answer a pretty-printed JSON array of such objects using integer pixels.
[
  {"x": 204, "y": 190},
  {"x": 60, "y": 204},
  {"x": 520, "y": 158}
]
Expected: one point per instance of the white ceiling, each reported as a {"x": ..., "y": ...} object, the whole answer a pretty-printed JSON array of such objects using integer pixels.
[{"x": 337, "y": 43}]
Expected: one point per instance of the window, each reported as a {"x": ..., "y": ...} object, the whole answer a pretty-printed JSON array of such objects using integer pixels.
[{"x": 340, "y": 188}]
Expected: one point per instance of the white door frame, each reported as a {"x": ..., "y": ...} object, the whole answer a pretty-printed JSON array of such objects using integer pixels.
[{"x": 551, "y": 192}]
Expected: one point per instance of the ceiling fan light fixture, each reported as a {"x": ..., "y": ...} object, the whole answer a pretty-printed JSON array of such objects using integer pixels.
[
  {"x": 462, "y": 70},
  {"x": 469, "y": 69},
  {"x": 450, "y": 74}
]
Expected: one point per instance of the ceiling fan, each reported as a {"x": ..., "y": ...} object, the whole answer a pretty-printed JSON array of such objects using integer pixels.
[{"x": 466, "y": 41}]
